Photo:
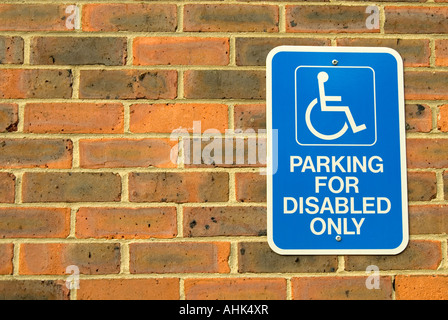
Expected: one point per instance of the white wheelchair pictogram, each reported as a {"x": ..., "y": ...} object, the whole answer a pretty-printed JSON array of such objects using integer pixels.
[{"x": 322, "y": 77}]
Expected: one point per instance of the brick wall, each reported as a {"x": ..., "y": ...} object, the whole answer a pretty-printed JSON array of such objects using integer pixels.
[{"x": 92, "y": 177}]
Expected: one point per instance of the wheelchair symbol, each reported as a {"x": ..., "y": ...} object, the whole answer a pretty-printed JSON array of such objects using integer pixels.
[{"x": 322, "y": 77}]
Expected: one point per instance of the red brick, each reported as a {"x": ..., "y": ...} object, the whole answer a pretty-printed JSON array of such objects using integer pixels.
[
  {"x": 340, "y": 288},
  {"x": 129, "y": 289},
  {"x": 35, "y": 83},
  {"x": 428, "y": 219},
  {"x": 53, "y": 258},
  {"x": 180, "y": 257},
  {"x": 71, "y": 187},
  {"x": 250, "y": 187},
  {"x": 442, "y": 52},
  {"x": 11, "y": 50},
  {"x": 421, "y": 287},
  {"x": 9, "y": 118},
  {"x": 235, "y": 289},
  {"x": 179, "y": 187},
  {"x": 33, "y": 290},
  {"x": 28, "y": 153},
  {"x": 445, "y": 184},
  {"x": 418, "y": 255},
  {"x": 78, "y": 51},
  {"x": 230, "y": 18},
  {"x": 328, "y": 18},
  {"x": 7, "y": 187},
  {"x": 123, "y": 153},
  {"x": 33, "y": 17},
  {"x": 165, "y": 118},
  {"x": 20, "y": 222},
  {"x": 128, "y": 84},
  {"x": 181, "y": 51},
  {"x": 224, "y": 221},
  {"x": 249, "y": 116},
  {"x": 6, "y": 256},
  {"x": 74, "y": 118},
  {"x": 129, "y": 17},
  {"x": 442, "y": 118},
  {"x": 422, "y": 186},
  {"x": 416, "y": 20},
  {"x": 426, "y": 85},
  {"x": 415, "y": 52},
  {"x": 427, "y": 153},
  {"x": 418, "y": 118},
  {"x": 126, "y": 223}
]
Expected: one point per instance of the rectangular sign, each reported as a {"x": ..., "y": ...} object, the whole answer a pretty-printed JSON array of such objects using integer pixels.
[{"x": 336, "y": 149}]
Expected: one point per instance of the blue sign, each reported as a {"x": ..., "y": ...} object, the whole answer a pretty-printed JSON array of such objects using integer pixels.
[{"x": 336, "y": 151}]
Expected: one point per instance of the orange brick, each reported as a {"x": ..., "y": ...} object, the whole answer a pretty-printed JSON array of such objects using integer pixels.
[
  {"x": 119, "y": 153},
  {"x": 9, "y": 117},
  {"x": 165, "y": 118},
  {"x": 414, "y": 19},
  {"x": 179, "y": 257},
  {"x": 42, "y": 153},
  {"x": 427, "y": 153},
  {"x": 126, "y": 223},
  {"x": 422, "y": 186},
  {"x": 441, "y": 52},
  {"x": 426, "y": 85},
  {"x": 340, "y": 288},
  {"x": 250, "y": 187},
  {"x": 181, "y": 51},
  {"x": 27, "y": 222},
  {"x": 6, "y": 255},
  {"x": 11, "y": 50},
  {"x": 418, "y": 118},
  {"x": 421, "y": 287},
  {"x": 235, "y": 289},
  {"x": 129, "y": 289},
  {"x": 428, "y": 219},
  {"x": 250, "y": 116},
  {"x": 53, "y": 258},
  {"x": 442, "y": 118},
  {"x": 73, "y": 118},
  {"x": 7, "y": 187}
]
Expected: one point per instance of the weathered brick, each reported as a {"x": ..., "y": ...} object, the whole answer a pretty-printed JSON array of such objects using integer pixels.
[
  {"x": 422, "y": 186},
  {"x": 249, "y": 116},
  {"x": 253, "y": 51},
  {"x": 35, "y": 83},
  {"x": 442, "y": 118},
  {"x": 179, "y": 187},
  {"x": 43, "y": 153},
  {"x": 9, "y": 117},
  {"x": 230, "y": 18},
  {"x": 129, "y": 289},
  {"x": 119, "y": 153},
  {"x": 179, "y": 257},
  {"x": 33, "y": 17},
  {"x": 128, "y": 84},
  {"x": 126, "y": 223},
  {"x": 250, "y": 187},
  {"x": 11, "y": 50},
  {"x": 78, "y": 50},
  {"x": 445, "y": 184},
  {"x": 426, "y": 85},
  {"x": 33, "y": 290},
  {"x": 428, "y": 219},
  {"x": 340, "y": 288},
  {"x": 258, "y": 257},
  {"x": 415, "y": 52},
  {"x": 427, "y": 153},
  {"x": 181, "y": 51},
  {"x": 71, "y": 187},
  {"x": 421, "y": 287},
  {"x": 441, "y": 52},
  {"x": 418, "y": 118},
  {"x": 20, "y": 222},
  {"x": 129, "y": 17},
  {"x": 328, "y": 18},
  {"x": 165, "y": 118},
  {"x": 419, "y": 255},
  {"x": 416, "y": 20},
  {"x": 7, "y": 187},
  {"x": 224, "y": 84},
  {"x": 235, "y": 289},
  {"x": 224, "y": 221},
  {"x": 53, "y": 258},
  {"x": 6, "y": 256},
  {"x": 74, "y": 118}
]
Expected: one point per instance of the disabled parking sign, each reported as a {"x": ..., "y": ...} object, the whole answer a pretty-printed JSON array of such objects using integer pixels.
[{"x": 336, "y": 151}]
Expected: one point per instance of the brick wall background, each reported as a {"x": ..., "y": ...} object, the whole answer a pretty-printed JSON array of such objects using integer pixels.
[{"x": 89, "y": 98}]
